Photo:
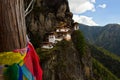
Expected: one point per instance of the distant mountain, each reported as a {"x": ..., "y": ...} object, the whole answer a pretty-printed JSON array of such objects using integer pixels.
[{"x": 107, "y": 36}]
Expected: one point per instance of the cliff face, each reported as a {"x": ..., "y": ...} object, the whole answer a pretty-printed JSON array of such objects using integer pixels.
[
  {"x": 63, "y": 65},
  {"x": 63, "y": 62},
  {"x": 46, "y": 15}
]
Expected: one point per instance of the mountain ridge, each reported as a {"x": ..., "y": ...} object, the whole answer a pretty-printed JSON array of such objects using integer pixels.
[{"x": 106, "y": 36}]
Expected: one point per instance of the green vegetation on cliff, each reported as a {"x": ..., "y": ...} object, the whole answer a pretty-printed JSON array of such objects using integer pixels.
[
  {"x": 79, "y": 42},
  {"x": 108, "y": 60}
]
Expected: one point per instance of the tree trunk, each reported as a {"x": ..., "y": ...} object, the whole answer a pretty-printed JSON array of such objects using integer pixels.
[{"x": 12, "y": 25}]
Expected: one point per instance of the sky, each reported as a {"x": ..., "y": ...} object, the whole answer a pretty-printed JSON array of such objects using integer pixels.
[{"x": 95, "y": 12}]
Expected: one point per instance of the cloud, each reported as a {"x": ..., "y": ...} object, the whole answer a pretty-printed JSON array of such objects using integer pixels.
[
  {"x": 93, "y": 1},
  {"x": 102, "y": 6},
  {"x": 84, "y": 20},
  {"x": 81, "y": 6}
]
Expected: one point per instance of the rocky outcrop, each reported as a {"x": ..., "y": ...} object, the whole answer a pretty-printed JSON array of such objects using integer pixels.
[
  {"x": 63, "y": 62},
  {"x": 46, "y": 15}
]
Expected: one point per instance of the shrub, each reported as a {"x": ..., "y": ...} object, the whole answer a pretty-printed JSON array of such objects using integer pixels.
[{"x": 79, "y": 42}]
